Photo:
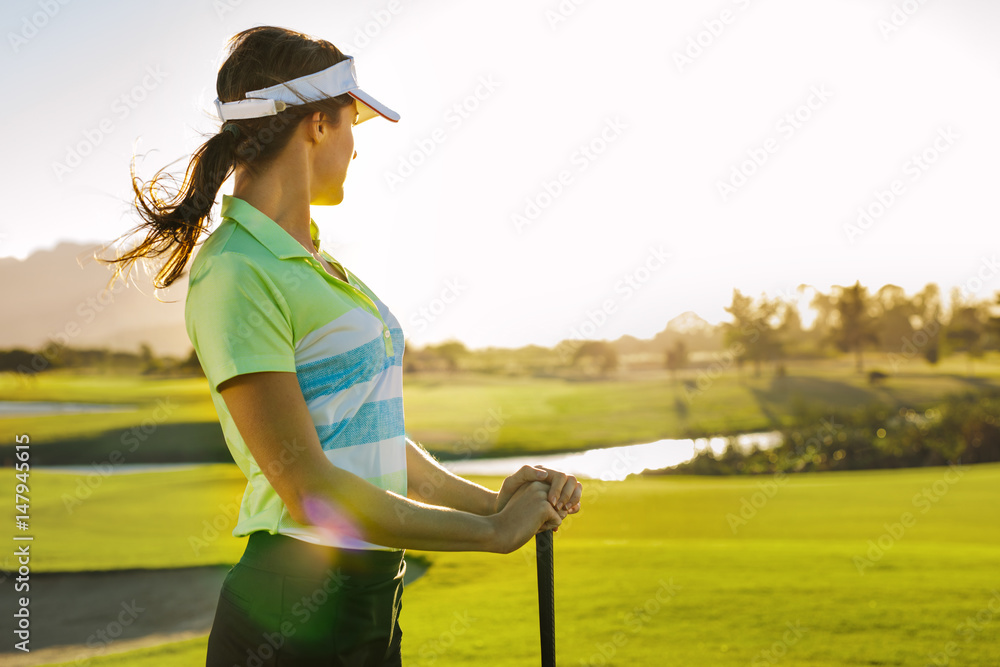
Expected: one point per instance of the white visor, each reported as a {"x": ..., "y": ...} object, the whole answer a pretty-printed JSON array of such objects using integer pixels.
[{"x": 330, "y": 82}]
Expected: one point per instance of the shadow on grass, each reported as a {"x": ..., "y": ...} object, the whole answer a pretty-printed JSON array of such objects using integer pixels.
[
  {"x": 980, "y": 383},
  {"x": 763, "y": 402},
  {"x": 787, "y": 395},
  {"x": 166, "y": 443}
]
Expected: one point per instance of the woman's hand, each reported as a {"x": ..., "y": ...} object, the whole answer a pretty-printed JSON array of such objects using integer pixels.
[
  {"x": 564, "y": 491},
  {"x": 528, "y": 513}
]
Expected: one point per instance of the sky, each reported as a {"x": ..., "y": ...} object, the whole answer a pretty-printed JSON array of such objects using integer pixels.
[{"x": 563, "y": 169}]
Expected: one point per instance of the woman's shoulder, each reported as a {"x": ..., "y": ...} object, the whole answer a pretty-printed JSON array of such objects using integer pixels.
[
  {"x": 211, "y": 247},
  {"x": 227, "y": 250}
]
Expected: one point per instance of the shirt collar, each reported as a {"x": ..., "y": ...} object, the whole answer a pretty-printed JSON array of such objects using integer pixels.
[{"x": 270, "y": 234}]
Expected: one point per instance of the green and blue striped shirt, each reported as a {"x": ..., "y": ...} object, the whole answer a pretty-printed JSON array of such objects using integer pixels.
[{"x": 258, "y": 301}]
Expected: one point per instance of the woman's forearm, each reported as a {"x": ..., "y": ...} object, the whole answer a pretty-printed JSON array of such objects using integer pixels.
[
  {"x": 273, "y": 419},
  {"x": 386, "y": 518},
  {"x": 431, "y": 483}
]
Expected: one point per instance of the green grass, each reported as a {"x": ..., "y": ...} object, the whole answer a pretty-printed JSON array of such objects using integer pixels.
[
  {"x": 195, "y": 511},
  {"x": 179, "y": 401},
  {"x": 490, "y": 414},
  {"x": 553, "y": 414},
  {"x": 732, "y": 597}
]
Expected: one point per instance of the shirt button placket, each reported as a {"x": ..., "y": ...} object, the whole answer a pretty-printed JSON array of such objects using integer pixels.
[{"x": 387, "y": 338}]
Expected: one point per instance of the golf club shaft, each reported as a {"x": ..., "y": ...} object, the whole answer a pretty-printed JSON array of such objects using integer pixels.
[{"x": 546, "y": 597}]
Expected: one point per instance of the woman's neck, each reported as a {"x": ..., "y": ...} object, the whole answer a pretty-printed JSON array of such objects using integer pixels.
[{"x": 282, "y": 194}]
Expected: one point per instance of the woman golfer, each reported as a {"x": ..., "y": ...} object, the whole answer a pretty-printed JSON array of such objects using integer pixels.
[{"x": 304, "y": 364}]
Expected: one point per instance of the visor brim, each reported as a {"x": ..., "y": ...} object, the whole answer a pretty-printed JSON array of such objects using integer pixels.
[{"x": 370, "y": 107}]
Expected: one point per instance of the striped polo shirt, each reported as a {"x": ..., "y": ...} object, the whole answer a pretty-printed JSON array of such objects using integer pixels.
[{"x": 258, "y": 301}]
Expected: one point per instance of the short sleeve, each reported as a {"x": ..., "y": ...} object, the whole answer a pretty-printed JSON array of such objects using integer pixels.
[{"x": 237, "y": 319}]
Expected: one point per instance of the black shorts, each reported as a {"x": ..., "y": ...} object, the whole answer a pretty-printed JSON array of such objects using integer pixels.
[{"x": 289, "y": 602}]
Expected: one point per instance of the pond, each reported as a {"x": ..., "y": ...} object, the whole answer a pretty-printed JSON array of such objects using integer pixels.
[
  {"x": 614, "y": 463},
  {"x": 605, "y": 463},
  {"x": 39, "y": 408}
]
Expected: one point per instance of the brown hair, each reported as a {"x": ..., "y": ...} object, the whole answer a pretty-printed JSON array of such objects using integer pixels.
[{"x": 259, "y": 57}]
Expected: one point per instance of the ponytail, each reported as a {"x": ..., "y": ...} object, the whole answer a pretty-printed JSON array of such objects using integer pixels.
[
  {"x": 174, "y": 225},
  {"x": 259, "y": 57}
]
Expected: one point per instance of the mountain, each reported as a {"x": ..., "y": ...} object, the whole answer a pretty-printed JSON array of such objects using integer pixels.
[
  {"x": 62, "y": 294},
  {"x": 690, "y": 322},
  {"x": 689, "y": 327}
]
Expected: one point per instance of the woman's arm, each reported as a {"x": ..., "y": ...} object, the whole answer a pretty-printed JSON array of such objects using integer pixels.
[
  {"x": 273, "y": 418},
  {"x": 429, "y": 482}
]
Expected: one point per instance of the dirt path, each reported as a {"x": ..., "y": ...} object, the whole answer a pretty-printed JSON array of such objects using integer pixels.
[
  {"x": 78, "y": 615},
  {"x": 85, "y": 614}
]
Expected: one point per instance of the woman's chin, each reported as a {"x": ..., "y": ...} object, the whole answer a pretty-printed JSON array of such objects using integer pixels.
[{"x": 331, "y": 198}]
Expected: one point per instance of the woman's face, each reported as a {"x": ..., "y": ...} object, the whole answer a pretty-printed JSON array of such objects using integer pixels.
[{"x": 333, "y": 156}]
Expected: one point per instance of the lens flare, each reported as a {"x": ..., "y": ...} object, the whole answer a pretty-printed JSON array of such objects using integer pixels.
[{"x": 333, "y": 523}]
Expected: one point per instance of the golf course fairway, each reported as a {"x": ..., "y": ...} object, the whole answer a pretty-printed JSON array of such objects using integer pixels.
[{"x": 890, "y": 567}]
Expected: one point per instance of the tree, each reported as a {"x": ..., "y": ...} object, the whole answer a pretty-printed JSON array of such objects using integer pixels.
[
  {"x": 855, "y": 326},
  {"x": 790, "y": 333},
  {"x": 927, "y": 307},
  {"x": 150, "y": 364},
  {"x": 16, "y": 360},
  {"x": 676, "y": 357},
  {"x": 825, "y": 306},
  {"x": 893, "y": 323},
  {"x": 451, "y": 352},
  {"x": 993, "y": 325},
  {"x": 597, "y": 351},
  {"x": 192, "y": 364},
  {"x": 967, "y": 329},
  {"x": 751, "y": 332}
]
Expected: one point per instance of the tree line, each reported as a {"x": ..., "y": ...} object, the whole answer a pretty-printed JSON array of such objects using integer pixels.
[
  {"x": 852, "y": 320},
  {"x": 763, "y": 331},
  {"x": 55, "y": 356},
  {"x": 961, "y": 428},
  {"x": 847, "y": 320}
]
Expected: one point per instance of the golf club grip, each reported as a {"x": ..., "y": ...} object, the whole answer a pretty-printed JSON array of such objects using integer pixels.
[{"x": 546, "y": 597}]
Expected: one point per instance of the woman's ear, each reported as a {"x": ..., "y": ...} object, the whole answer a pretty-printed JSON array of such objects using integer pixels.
[{"x": 316, "y": 124}]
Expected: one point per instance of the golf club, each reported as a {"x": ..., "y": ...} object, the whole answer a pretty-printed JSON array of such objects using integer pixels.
[{"x": 546, "y": 597}]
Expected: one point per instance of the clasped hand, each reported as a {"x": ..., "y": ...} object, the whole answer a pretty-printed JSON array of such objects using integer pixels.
[{"x": 564, "y": 490}]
